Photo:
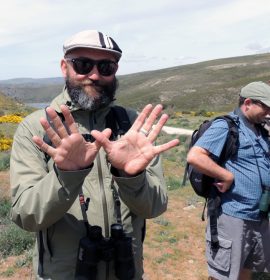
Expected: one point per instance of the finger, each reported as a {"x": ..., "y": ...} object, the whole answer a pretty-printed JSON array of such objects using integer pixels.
[
  {"x": 57, "y": 123},
  {"x": 107, "y": 132},
  {"x": 164, "y": 147},
  {"x": 157, "y": 128},
  {"x": 69, "y": 120},
  {"x": 220, "y": 186},
  {"x": 53, "y": 136},
  {"x": 44, "y": 146},
  {"x": 142, "y": 117},
  {"x": 152, "y": 117},
  {"x": 102, "y": 139}
]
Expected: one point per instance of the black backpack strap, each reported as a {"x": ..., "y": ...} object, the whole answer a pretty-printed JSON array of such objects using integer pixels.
[
  {"x": 185, "y": 177},
  {"x": 229, "y": 150},
  {"x": 40, "y": 253},
  {"x": 118, "y": 121},
  {"x": 213, "y": 204},
  {"x": 231, "y": 146},
  {"x": 119, "y": 114}
]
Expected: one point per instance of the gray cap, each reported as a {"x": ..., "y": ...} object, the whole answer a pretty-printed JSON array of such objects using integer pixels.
[
  {"x": 92, "y": 39},
  {"x": 257, "y": 91}
]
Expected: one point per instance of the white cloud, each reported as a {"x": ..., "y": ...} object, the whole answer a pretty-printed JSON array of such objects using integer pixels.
[{"x": 153, "y": 34}]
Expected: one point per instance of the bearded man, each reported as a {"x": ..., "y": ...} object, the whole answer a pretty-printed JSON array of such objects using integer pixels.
[{"x": 84, "y": 193}]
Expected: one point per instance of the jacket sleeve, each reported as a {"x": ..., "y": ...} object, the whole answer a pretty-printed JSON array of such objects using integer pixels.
[
  {"x": 40, "y": 195},
  {"x": 145, "y": 194}
]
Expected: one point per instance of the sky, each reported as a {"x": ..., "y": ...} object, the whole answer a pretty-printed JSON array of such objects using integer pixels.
[{"x": 153, "y": 34}]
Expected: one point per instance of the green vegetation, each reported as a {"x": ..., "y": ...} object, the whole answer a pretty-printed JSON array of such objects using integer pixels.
[
  {"x": 4, "y": 210},
  {"x": 210, "y": 86},
  {"x": 13, "y": 240},
  {"x": 4, "y": 160},
  {"x": 9, "y": 105}
]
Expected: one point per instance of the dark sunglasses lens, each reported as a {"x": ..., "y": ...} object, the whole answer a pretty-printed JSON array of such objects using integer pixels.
[
  {"x": 106, "y": 67},
  {"x": 83, "y": 66}
]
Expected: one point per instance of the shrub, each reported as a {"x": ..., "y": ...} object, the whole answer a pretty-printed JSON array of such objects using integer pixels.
[
  {"x": 5, "y": 206},
  {"x": 15, "y": 241},
  {"x": 4, "y": 161},
  {"x": 173, "y": 183},
  {"x": 16, "y": 118}
]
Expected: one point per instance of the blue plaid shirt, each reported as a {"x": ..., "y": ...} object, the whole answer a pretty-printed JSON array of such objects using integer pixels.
[{"x": 242, "y": 199}]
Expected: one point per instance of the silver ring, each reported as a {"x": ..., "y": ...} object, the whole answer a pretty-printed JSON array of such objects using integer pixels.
[{"x": 144, "y": 131}]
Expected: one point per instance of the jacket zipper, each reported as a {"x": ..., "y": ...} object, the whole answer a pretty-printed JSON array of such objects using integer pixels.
[
  {"x": 103, "y": 197},
  {"x": 104, "y": 206}
]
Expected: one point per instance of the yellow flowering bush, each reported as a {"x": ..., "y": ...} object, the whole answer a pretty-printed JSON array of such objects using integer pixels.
[
  {"x": 177, "y": 114},
  {"x": 5, "y": 143},
  {"x": 11, "y": 119}
]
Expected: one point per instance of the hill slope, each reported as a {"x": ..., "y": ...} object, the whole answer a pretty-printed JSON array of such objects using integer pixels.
[
  {"x": 9, "y": 105},
  {"x": 210, "y": 85}
]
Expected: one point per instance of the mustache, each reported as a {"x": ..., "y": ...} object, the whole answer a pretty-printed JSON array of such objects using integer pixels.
[{"x": 92, "y": 83}]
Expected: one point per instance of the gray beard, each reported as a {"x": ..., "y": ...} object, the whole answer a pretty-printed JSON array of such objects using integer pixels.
[{"x": 79, "y": 97}]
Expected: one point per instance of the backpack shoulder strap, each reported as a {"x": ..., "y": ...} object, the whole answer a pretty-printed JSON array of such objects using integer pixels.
[
  {"x": 231, "y": 146},
  {"x": 118, "y": 121}
]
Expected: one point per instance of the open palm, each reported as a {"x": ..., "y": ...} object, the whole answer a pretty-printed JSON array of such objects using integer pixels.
[
  {"x": 70, "y": 151},
  {"x": 135, "y": 150}
]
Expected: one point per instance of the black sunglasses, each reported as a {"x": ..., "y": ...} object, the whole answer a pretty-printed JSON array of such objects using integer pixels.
[{"x": 84, "y": 65}]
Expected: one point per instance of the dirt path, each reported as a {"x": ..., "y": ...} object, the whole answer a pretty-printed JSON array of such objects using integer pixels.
[{"x": 176, "y": 130}]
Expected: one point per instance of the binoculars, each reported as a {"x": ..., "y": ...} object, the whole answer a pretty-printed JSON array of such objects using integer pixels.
[
  {"x": 264, "y": 205},
  {"x": 94, "y": 248}
]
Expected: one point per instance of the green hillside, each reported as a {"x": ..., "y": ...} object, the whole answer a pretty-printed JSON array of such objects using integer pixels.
[
  {"x": 9, "y": 105},
  {"x": 210, "y": 85}
]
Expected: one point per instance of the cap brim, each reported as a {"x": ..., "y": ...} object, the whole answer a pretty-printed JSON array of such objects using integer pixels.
[{"x": 266, "y": 102}]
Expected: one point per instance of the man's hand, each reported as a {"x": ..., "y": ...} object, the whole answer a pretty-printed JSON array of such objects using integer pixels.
[
  {"x": 70, "y": 151},
  {"x": 200, "y": 158},
  {"x": 225, "y": 185},
  {"x": 135, "y": 150}
]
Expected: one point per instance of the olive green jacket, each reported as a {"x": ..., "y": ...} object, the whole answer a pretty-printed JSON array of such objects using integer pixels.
[{"x": 45, "y": 199}]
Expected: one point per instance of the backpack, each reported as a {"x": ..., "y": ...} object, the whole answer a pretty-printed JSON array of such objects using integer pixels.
[{"x": 201, "y": 183}]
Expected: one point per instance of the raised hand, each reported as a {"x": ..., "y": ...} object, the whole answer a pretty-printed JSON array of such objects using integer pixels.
[
  {"x": 70, "y": 151},
  {"x": 135, "y": 150}
]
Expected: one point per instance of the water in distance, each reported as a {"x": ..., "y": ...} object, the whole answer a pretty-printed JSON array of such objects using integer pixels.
[{"x": 38, "y": 105}]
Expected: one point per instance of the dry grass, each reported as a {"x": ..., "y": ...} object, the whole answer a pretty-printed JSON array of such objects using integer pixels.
[
  {"x": 174, "y": 244},
  {"x": 4, "y": 187}
]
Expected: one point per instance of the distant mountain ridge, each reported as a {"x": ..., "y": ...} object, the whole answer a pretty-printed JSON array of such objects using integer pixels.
[
  {"x": 211, "y": 85},
  {"x": 25, "y": 81}
]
